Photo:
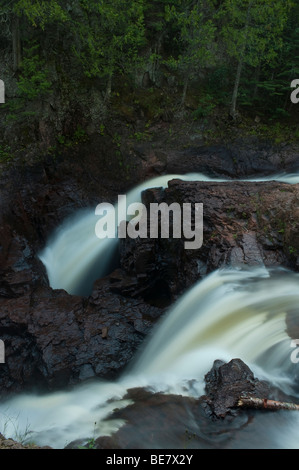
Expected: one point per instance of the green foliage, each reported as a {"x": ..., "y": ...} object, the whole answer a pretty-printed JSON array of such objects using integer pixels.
[
  {"x": 196, "y": 34},
  {"x": 78, "y": 137},
  {"x": 6, "y": 154},
  {"x": 205, "y": 108},
  {"x": 41, "y": 12},
  {"x": 33, "y": 81},
  {"x": 67, "y": 48},
  {"x": 108, "y": 35},
  {"x": 292, "y": 250},
  {"x": 252, "y": 31},
  {"x": 218, "y": 84},
  {"x": 91, "y": 444},
  {"x": 195, "y": 46},
  {"x": 274, "y": 131},
  {"x": 274, "y": 85}
]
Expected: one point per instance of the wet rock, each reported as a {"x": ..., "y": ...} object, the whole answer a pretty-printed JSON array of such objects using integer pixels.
[
  {"x": 153, "y": 420},
  {"x": 243, "y": 157},
  {"x": 10, "y": 444},
  {"x": 156, "y": 420},
  {"x": 53, "y": 340},
  {"x": 226, "y": 383},
  {"x": 244, "y": 224}
]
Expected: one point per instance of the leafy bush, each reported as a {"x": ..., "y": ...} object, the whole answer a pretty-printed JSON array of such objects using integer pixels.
[
  {"x": 205, "y": 108},
  {"x": 34, "y": 81}
]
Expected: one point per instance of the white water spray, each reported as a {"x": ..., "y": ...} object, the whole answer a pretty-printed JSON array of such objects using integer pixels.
[
  {"x": 74, "y": 257},
  {"x": 230, "y": 314}
]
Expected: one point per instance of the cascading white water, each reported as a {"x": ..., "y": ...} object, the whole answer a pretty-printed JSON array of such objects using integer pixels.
[
  {"x": 240, "y": 312},
  {"x": 74, "y": 257},
  {"x": 231, "y": 313}
]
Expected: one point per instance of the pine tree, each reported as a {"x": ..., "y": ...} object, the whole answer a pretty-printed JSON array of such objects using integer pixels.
[
  {"x": 252, "y": 31},
  {"x": 195, "y": 39},
  {"x": 108, "y": 36}
]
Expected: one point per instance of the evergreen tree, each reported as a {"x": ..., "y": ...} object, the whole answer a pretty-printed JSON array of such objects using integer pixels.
[
  {"x": 252, "y": 31},
  {"x": 194, "y": 41},
  {"x": 108, "y": 35}
]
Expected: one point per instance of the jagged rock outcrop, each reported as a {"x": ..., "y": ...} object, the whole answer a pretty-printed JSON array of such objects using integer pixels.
[
  {"x": 226, "y": 383},
  {"x": 53, "y": 339},
  {"x": 244, "y": 223},
  {"x": 10, "y": 444},
  {"x": 174, "y": 421}
]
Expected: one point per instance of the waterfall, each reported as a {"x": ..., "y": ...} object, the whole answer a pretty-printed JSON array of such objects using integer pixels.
[
  {"x": 74, "y": 257},
  {"x": 232, "y": 313},
  {"x": 235, "y": 312}
]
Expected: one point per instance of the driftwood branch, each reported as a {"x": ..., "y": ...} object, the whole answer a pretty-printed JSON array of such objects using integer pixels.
[{"x": 265, "y": 404}]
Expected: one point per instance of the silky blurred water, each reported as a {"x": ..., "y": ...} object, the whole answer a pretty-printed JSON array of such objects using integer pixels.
[
  {"x": 232, "y": 313},
  {"x": 74, "y": 257}
]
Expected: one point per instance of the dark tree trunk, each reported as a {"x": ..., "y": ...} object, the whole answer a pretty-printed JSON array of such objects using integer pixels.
[
  {"x": 185, "y": 91},
  {"x": 16, "y": 43},
  {"x": 233, "y": 109}
]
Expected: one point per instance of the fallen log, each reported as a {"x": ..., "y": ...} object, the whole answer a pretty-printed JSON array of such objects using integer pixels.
[{"x": 265, "y": 404}]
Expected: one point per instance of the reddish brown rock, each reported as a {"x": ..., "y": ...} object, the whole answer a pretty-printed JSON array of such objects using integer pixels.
[
  {"x": 245, "y": 224},
  {"x": 53, "y": 339},
  {"x": 10, "y": 444}
]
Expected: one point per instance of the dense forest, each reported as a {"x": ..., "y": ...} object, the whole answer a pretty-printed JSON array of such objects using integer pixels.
[{"x": 68, "y": 66}]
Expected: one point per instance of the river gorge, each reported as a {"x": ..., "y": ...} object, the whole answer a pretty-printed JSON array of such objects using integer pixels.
[{"x": 126, "y": 341}]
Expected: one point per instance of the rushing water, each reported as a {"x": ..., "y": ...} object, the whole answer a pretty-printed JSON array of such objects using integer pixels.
[
  {"x": 75, "y": 257},
  {"x": 231, "y": 313}
]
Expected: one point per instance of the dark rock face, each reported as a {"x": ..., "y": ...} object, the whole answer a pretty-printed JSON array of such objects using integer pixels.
[
  {"x": 226, "y": 383},
  {"x": 244, "y": 224},
  {"x": 53, "y": 339},
  {"x": 238, "y": 159}
]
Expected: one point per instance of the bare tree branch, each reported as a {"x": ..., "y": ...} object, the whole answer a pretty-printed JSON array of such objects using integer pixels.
[{"x": 265, "y": 404}]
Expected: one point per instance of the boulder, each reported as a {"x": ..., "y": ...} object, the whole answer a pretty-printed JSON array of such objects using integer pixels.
[
  {"x": 157, "y": 420},
  {"x": 53, "y": 340},
  {"x": 244, "y": 224},
  {"x": 226, "y": 383}
]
